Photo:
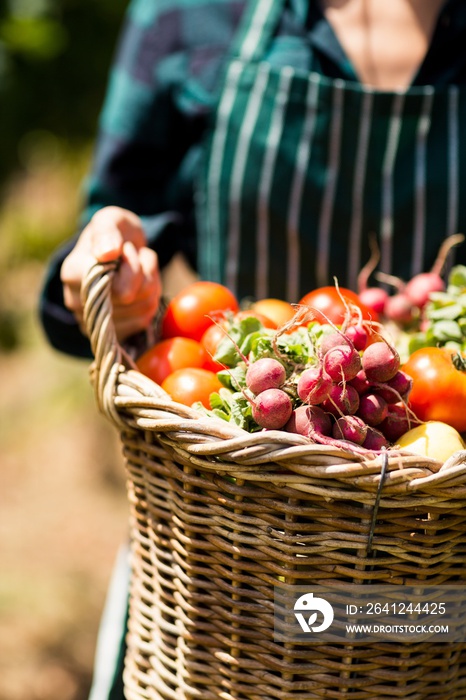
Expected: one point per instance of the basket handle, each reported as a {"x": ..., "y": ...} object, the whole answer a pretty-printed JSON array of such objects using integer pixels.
[
  {"x": 111, "y": 361},
  {"x": 98, "y": 310},
  {"x": 100, "y": 329}
]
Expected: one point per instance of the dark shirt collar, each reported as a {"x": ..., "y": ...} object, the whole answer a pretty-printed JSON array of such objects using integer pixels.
[{"x": 444, "y": 63}]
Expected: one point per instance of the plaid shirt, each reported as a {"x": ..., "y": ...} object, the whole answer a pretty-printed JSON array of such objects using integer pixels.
[{"x": 162, "y": 89}]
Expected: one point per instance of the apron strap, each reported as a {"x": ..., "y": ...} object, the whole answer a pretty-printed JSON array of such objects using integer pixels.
[{"x": 256, "y": 28}]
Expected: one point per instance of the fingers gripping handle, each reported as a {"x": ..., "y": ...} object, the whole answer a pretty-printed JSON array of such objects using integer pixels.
[{"x": 108, "y": 354}]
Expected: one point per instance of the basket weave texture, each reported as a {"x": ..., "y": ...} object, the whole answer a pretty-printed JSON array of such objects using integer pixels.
[{"x": 220, "y": 517}]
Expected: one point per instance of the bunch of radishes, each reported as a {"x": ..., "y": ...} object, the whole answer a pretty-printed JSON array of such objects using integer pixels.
[
  {"x": 406, "y": 305},
  {"x": 353, "y": 396},
  {"x": 271, "y": 403}
]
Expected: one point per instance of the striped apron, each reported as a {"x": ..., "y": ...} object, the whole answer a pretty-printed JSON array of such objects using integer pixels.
[{"x": 300, "y": 170}]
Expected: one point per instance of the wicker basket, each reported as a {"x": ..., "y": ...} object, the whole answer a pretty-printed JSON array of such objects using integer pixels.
[{"x": 220, "y": 517}]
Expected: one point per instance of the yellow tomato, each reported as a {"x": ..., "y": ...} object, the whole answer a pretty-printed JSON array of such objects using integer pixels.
[
  {"x": 277, "y": 310},
  {"x": 432, "y": 439}
]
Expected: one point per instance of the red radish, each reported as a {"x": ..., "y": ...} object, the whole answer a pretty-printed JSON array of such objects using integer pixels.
[
  {"x": 350, "y": 428},
  {"x": 342, "y": 363},
  {"x": 421, "y": 286},
  {"x": 265, "y": 373},
  {"x": 358, "y": 336},
  {"x": 342, "y": 400},
  {"x": 310, "y": 421},
  {"x": 313, "y": 385},
  {"x": 372, "y": 409},
  {"x": 361, "y": 383},
  {"x": 398, "y": 387},
  {"x": 397, "y": 422},
  {"x": 374, "y": 440},
  {"x": 272, "y": 409},
  {"x": 330, "y": 341},
  {"x": 401, "y": 382},
  {"x": 380, "y": 362},
  {"x": 315, "y": 424},
  {"x": 375, "y": 299},
  {"x": 400, "y": 309}
]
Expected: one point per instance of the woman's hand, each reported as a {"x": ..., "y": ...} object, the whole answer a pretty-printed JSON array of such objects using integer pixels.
[{"x": 114, "y": 232}]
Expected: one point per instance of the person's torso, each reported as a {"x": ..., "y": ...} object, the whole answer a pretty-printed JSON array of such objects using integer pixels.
[{"x": 301, "y": 168}]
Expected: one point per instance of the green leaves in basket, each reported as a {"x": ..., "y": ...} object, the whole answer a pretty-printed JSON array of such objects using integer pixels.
[
  {"x": 297, "y": 347},
  {"x": 445, "y": 316},
  {"x": 233, "y": 378},
  {"x": 457, "y": 279},
  {"x": 238, "y": 341},
  {"x": 231, "y": 406},
  {"x": 241, "y": 413},
  {"x": 249, "y": 338}
]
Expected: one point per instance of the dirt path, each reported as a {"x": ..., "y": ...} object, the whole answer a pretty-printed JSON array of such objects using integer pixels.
[{"x": 62, "y": 517}]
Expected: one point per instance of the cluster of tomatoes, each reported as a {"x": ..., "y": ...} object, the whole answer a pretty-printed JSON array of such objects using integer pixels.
[{"x": 194, "y": 323}]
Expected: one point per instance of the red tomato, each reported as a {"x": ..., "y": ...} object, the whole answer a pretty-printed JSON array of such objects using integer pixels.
[
  {"x": 277, "y": 310},
  {"x": 209, "y": 341},
  {"x": 171, "y": 354},
  {"x": 328, "y": 301},
  {"x": 215, "y": 333},
  {"x": 191, "y": 311},
  {"x": 439, "y": 388},
  {"x": 191, "y": 384}
]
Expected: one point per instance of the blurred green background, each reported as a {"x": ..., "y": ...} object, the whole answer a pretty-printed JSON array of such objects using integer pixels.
[
  {"x": 54, "y": 58},
  {"x": 62, "y": 501}
]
